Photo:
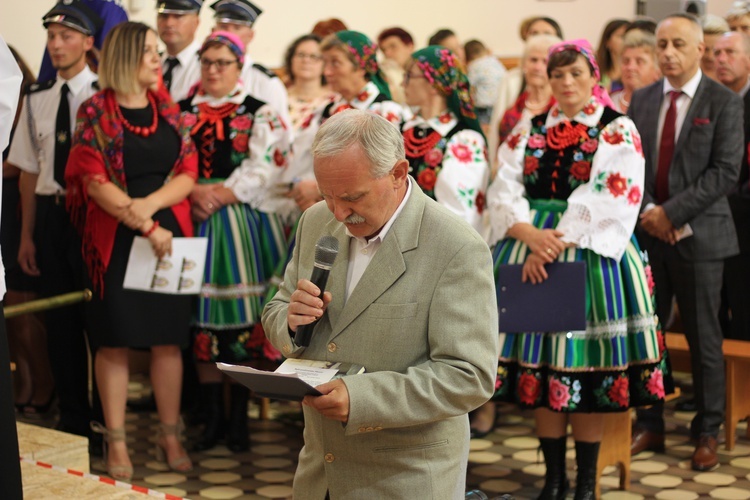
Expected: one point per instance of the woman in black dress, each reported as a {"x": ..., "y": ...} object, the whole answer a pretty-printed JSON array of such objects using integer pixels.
[{"x": 130, "y": 171}]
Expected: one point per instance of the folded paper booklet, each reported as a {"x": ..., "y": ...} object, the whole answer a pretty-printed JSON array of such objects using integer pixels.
[
  {"x": 293, "y": 380},
  {"x": 179, "y": 273},
  {"x": 558, "y": 304}
]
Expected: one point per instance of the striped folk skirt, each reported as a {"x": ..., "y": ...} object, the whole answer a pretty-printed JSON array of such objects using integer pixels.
[
  {"x": 245, "y": 246},
  {"x": 616, "y": 363}
]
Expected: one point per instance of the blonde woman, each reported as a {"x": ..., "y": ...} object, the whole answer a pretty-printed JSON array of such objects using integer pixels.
[{"x": 129, "y": 173}]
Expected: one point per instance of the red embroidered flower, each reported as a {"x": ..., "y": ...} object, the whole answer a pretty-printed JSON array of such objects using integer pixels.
[
  {"x": 637, "y": 142},
  {"x": 529, "y": 389},
  {"x": 189, "y": 119},
  {"x": 392, "y": 117},
  {"x": 433, "y": 157},
  {"x": 619, "y": 392},
  {"x": 513, "y": 141},
  {"x": 241, "y": 122},
  {"x": 590, "y": 146},
  {"x": 634, "y": 196},
  {"x": 530, "y": 165},
  {"x": 581, "y": 170},
  {"x": 240, "y": 143},
  {"x": 558, "y": 394},
  {"x": 444, "y": 118},
  {"x": 278, "y": 158},
  {"x": 461, "y": 152},
  {"x": 363, "y": 95},
  {"x": 202, "y": 347},
  {"x": 537, "y": 141},
  {"x": 660, "y": 341},
  {"x": 649, "y": 279},
  {"x": 307, "y": 121},
  {"x": 589, "y": 109},
  {"x": 655, "y": 384},
  {"x": 426, "y": 179},
  {"x": 613, "y": 138},
  {"x": 555, "y": 112},
  {"x": 479, "y": 202},
  {"x": 342, "y": 107},
  {"x": 498, "y": 384},
  {"x": 617, "y": 184}
]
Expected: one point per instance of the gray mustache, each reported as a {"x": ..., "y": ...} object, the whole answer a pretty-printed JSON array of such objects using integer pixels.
[{"x": 354, "y": 219}]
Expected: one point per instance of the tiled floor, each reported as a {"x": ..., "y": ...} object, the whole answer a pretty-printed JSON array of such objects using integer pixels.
[{"x": 505, "y": 462}]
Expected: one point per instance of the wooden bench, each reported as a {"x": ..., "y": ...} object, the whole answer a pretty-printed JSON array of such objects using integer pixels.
[
  {"x": 737, "y": 369},
  {"x": 615, "y": 445}
]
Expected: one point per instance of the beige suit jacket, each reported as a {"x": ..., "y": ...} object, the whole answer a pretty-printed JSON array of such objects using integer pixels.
[{"x": 423, "y": 321}]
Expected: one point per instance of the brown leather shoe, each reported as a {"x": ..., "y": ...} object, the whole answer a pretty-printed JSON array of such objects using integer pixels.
[
  {"x": 705, "y": 456},
  {"x": 645, "y": 440}
]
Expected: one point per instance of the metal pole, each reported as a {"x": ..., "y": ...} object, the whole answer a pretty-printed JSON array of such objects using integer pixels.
[{"x": 33, "y": 306}]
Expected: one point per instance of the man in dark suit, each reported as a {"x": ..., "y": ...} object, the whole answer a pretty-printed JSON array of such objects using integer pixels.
[
  {"x": 732, "y": 52},
  {"x": 692, "y": 135}
]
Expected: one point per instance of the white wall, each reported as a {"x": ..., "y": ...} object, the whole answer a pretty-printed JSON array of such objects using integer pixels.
[{"x": 495, "y": 22}]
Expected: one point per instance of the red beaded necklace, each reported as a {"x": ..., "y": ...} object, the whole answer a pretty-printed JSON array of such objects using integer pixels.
[
  {"x": 417, "y": 147},
  {"x": 137, "y": 130}
]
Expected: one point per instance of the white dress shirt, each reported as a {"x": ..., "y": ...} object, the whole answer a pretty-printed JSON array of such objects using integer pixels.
[
  {"x": 37, "y": 155},
  {"x": 187, "y": 73},
  {"x": 362, "y": 250},
  {"x": 683, "y": 104}
]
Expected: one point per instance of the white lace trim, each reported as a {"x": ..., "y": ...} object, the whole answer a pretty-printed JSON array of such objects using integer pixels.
[{"x": 607, "y": 237}]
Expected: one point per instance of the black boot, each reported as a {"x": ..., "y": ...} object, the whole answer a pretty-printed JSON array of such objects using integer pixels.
[
  {"x": 212, "y": 398},
  {"x": 555, "y": 480},
  {"x": 587, "y": 456},
  {"x": 237, "y": 433}
]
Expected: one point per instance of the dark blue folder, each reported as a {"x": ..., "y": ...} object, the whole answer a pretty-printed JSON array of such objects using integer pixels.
[{"x": 558, "y": 304}]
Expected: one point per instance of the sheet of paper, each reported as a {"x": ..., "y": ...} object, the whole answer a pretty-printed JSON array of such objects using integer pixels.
[
  {"x": 311, "y": 371},
  {"x": 179, "y": 273},
  {"x": 684, "y": 232}
]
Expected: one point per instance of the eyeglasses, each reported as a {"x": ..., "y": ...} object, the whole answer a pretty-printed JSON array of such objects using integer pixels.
[
  {"x": 312, "y": 57},
  {"x": 221, "y": 64},
  {"x": 410, "y": 76}
]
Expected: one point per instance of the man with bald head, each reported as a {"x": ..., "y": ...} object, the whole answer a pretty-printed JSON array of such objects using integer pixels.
[
  {"x": 691, "y": 127},
  {"x": 732, "y": 54}
]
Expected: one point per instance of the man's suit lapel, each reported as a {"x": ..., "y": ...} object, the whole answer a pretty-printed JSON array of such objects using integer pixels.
[
  {"x": 386, "y": 267},
  {"x": 655, "y": 102},
  {"x": 687, "y": 125}
]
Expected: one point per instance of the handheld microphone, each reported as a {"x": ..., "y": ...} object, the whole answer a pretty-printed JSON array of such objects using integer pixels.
[{"x": 326, "y": 250}]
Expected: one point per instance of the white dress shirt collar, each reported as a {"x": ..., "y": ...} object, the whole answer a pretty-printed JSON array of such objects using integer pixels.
[
  {"x": 78, "y": 82},
  {"x": 689, "y": 89},
  {"x": 187, "y": 54}
]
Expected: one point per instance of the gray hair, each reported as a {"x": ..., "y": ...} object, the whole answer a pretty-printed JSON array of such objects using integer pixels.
[
  {"x": 636, "y": 39},
  {"x": 540, "y": 42},
  {"x": 714, "y": 25},
  {"x": 738, "y": 9},
  {"x": 379, "y": 139}
]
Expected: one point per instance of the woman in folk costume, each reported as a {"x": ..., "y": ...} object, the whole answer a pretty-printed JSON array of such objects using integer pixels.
[
  {"x": 352, "y": 71},
  {"x": 130, "y": 171},
  {"x": 444, "y": 142},
  {"x": 242, "y": 148},
  {"x": 569, "y": 189}
]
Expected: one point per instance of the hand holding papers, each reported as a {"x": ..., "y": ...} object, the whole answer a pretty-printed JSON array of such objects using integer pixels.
[
  {"x": 293, "y": 380},
  {"x": 179, "y": 273}
]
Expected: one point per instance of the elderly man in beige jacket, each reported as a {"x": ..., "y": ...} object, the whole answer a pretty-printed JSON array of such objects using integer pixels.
[{"x": 412, "y": 298}]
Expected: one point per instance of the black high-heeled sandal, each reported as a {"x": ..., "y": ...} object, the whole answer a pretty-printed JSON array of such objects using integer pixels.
[{"x": 475, "y": 433}]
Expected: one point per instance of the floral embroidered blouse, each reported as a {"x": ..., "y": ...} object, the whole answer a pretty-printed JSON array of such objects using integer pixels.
[
  {"x": 249, "y": 147},
  {"x": 594, "y": 162},
  {"x": 450, "y": 165}
]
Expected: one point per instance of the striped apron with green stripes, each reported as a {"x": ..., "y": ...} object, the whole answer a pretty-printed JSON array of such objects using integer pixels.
[{"x": 617, "y": 362}]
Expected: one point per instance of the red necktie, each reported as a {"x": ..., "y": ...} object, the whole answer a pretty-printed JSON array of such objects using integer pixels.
[{"x": 666, "y": 148}]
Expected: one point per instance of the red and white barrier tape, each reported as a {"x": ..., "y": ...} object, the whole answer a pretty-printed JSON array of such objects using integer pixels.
[{"x": 104, "y": 480}]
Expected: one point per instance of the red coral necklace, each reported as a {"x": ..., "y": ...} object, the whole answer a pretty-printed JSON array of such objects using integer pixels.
[
  {"x": 137, "y": 130},
  {"x": 416, "y": 147}
]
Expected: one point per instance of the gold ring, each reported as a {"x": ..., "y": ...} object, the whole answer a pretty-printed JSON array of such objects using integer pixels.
[
  {"x": 210, "y": 206},
  {"x": 549, "y": 251}
]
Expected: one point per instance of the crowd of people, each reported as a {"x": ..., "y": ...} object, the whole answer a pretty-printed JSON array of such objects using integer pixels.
[{"x": 630, "y": 157}]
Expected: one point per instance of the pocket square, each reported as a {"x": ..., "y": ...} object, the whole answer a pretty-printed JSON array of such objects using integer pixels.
[{"x": 701, "y": 121}]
